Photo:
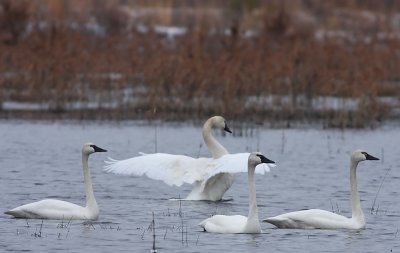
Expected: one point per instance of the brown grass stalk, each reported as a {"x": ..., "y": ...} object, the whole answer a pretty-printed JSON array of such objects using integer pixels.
[{"x": 95, "y": 55}]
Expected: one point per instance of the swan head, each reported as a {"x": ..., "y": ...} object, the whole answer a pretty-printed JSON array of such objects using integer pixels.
[
  {"x": 90, "y": 148},
  {"x": 257, "y": 158},
  {"x": 360, "y": 155},
  {"x": 220, "y": 122}
]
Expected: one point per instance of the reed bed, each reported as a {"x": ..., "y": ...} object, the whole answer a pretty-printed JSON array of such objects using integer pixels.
[{"x": 336, "y": 63}]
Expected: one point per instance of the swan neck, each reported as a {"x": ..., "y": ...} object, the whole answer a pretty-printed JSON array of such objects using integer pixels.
[
  {"x": 216, "y": 149},
  {"x": 253, "y": 213},
  {"x": 355, "y": 197},
  {"x": 90, "y": 199}
]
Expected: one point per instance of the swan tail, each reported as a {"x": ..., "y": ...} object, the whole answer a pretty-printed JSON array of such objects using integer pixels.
[
  {"x": 19, "y": 214},
  {"x": 274, "y": 221},
  {"x": 281, "y": 222},
  {"x": 203, "y": 223},
  {"x": 12, "y": 213}
]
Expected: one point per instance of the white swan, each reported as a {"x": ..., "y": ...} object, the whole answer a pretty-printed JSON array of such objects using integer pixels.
[
  {"x": 62, "y": 210},
  {"x": 235, "y": 224},
  {"x": 209, "y": 183},
  {"x": 321, "y": 219}
]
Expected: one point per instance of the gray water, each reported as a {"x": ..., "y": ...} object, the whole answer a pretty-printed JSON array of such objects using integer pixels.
[{"x": 43, "y": 160}]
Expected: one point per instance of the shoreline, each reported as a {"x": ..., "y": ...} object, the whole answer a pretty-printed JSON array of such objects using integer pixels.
[{"x": 243, "y": 122}]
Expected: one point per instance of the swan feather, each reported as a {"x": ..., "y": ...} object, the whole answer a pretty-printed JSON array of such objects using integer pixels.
[
  {"x": 224, "y": 224},
  {"x": 52, "y": 209},
  {"x": 312, "y": 218},
  {"x": 180, "y": 169}
]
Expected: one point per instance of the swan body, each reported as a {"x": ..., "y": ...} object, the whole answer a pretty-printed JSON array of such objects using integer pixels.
[
  {"x": 321, "y": 219},
  {"x": 315, "y": 218},
  {"x": 227, "y": 224},
  {"x": 235, "y": 224},
  {"x": 61, "y": 210},
  {"x": 54, "y": 209},
  {"x": 209, "y": 176}
]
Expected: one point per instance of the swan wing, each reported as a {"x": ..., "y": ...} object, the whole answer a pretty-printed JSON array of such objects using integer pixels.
[
  {"x": 218, "y": 170},
  {"x": 234, "y": 163},
  {"x": 179, "y": 169},
  {"x": 171, "y": 169}
]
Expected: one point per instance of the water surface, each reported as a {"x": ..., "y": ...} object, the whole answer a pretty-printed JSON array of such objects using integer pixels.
[{"x": 43, "y": 160}]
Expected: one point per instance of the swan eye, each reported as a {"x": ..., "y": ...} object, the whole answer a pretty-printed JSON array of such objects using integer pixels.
[
  {"x": 364, "y": 153},
  {"x": 260, "y": 156}
]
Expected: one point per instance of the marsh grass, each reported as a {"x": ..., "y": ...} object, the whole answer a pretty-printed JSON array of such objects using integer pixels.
[
  {"x": 117, "y": 72},
  {"x": 154, "y": 250},
  {"x": 38, "y": 233},
  {"x": 174, "y": 228},
  {"x": 66, "y": 226},
  {"x": 62, "y": 229},
  {"x": 375, "y": 207}
]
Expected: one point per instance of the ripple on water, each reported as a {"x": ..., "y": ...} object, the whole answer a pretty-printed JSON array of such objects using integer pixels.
[{"x": 311, "y": 174}]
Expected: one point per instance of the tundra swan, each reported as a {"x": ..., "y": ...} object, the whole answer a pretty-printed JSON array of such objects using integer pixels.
[
  {"x": 61, "y": 210},
  {"x": 321, "y": 219},
  {"x": 238, "y": 223},
  {"x": 209, "y": 183}
]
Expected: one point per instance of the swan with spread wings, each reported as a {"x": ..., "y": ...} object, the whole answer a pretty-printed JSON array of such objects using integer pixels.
[{"x": 211, "y": 177}]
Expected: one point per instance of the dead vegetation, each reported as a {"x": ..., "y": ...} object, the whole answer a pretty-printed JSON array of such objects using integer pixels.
[{"x": 255, "y": 60}]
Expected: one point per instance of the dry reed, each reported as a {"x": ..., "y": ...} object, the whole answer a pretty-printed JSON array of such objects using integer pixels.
[{"x": 253, "y": 60}]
